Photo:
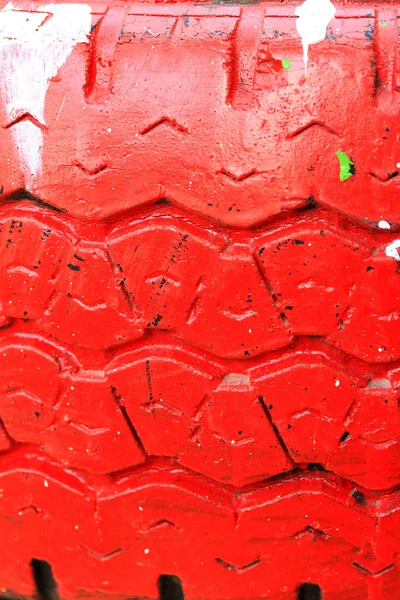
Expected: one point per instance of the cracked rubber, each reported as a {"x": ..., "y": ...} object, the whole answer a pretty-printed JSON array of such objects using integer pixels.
[{"x": 199, "y": 308}]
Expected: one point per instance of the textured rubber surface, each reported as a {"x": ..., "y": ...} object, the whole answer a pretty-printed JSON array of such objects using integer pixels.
[{"x": 199, "y": 304}]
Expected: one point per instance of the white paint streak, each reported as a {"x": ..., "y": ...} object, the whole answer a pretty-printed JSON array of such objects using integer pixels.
[
  {"x": 33, "y": 47},
  {"x": 28, "y": 140},
  {"x": 314, "y": 17},
  {"x": 62, "y": 106},
  {"x": 384, "y": 225},
  {"x": 391, "y": 250}
]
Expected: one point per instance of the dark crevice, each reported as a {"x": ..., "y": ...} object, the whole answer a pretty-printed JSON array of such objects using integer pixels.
[
  {"x": 7, "y": 435},
  {"x": 316, "y": 533},
  {"x": 162, "y": 523},
  {"x": 90, "y": 172},
  {"x": 127, "y": 294},
  {"x": 265, "y": 279},
  {"x": 366, "y": 571},
  {"x": 26, "y": 116},
  {"x": 22, "y": 194},
  {"x": 285, "y": 320},
  {"x": 118, "y": 400},
  {"x": 147, "y": 210},
  {"x": 344, "y": 437},
  {"x": 170, "y": 588},
  {"x": 45, "y": 584},
  {"x": 241, "y": 177},
  {"x": 375, "y": 72},
  {"x": 292, "y": 473},
  {"x": 309, "y": 208},
  {"x": 314, "y": 123},
  {"x": 294, "y": 476},
  {"x": 275, "y": 428},
  {"x": 165, "y": 121},
  {"x": 163, "y": 202},
  {"x": 387, "y": 178},
  {"x": 359, "y": 497},
  {"x": 7, "y": 323},
  {"x": 101, "y": 557},
  {"x": 309, "y": 591},
  {"x": 311, "y": 204},
  {"x": 230, "y": 567},
  {"x": 315, "y": 467},
  {"x": 304, "y": 208}
]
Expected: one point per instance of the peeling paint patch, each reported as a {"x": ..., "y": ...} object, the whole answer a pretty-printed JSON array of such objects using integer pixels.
[
  {"x": 314, "y": 17},
  {"x": 347, "y": 168},
  {"x": 391, "y": 250},
  {"x": 33, "y": 47}
]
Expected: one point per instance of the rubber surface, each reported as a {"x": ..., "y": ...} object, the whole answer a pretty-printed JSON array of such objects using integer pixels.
[{"x": 199, "y": 303}]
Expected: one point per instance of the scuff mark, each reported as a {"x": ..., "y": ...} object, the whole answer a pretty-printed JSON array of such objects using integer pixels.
[
  {"x": 33, "y": 47},
  {"x": 314, "y": 18}
]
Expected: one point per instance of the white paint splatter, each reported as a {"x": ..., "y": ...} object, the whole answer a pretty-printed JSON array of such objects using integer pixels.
[
  {"x": 384, "y": 225},
  {"x": 33, "y": 47},
  {"x": 314, "y": 17},
  {"x": 391, "y": 250}
]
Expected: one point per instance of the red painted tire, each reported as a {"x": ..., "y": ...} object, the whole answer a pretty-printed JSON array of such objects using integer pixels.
[{"x": 199, "y": 301}]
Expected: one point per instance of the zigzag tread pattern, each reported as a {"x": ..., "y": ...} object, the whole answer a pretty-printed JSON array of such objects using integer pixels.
[
  {"x": 237, "y": 422},
  {"x": 235, "y": 294}
]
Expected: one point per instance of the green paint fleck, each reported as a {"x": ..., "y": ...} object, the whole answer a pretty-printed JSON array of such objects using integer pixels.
[
  {"x": 212, "y": 62},
  {"x": 347, "y": 168},
  {"x": 383, "y": 24},
  {"x": 286, "y": 63}
]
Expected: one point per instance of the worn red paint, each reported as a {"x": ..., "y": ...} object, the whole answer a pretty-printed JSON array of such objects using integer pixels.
[{"x": 200, "y": 335}]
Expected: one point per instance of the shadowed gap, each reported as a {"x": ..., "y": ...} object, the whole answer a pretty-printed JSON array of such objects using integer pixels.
[
  {"x": 170, "y": 587},
  {"x": 46, "y": 586},
  {"x": 309, "y": 591}
]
